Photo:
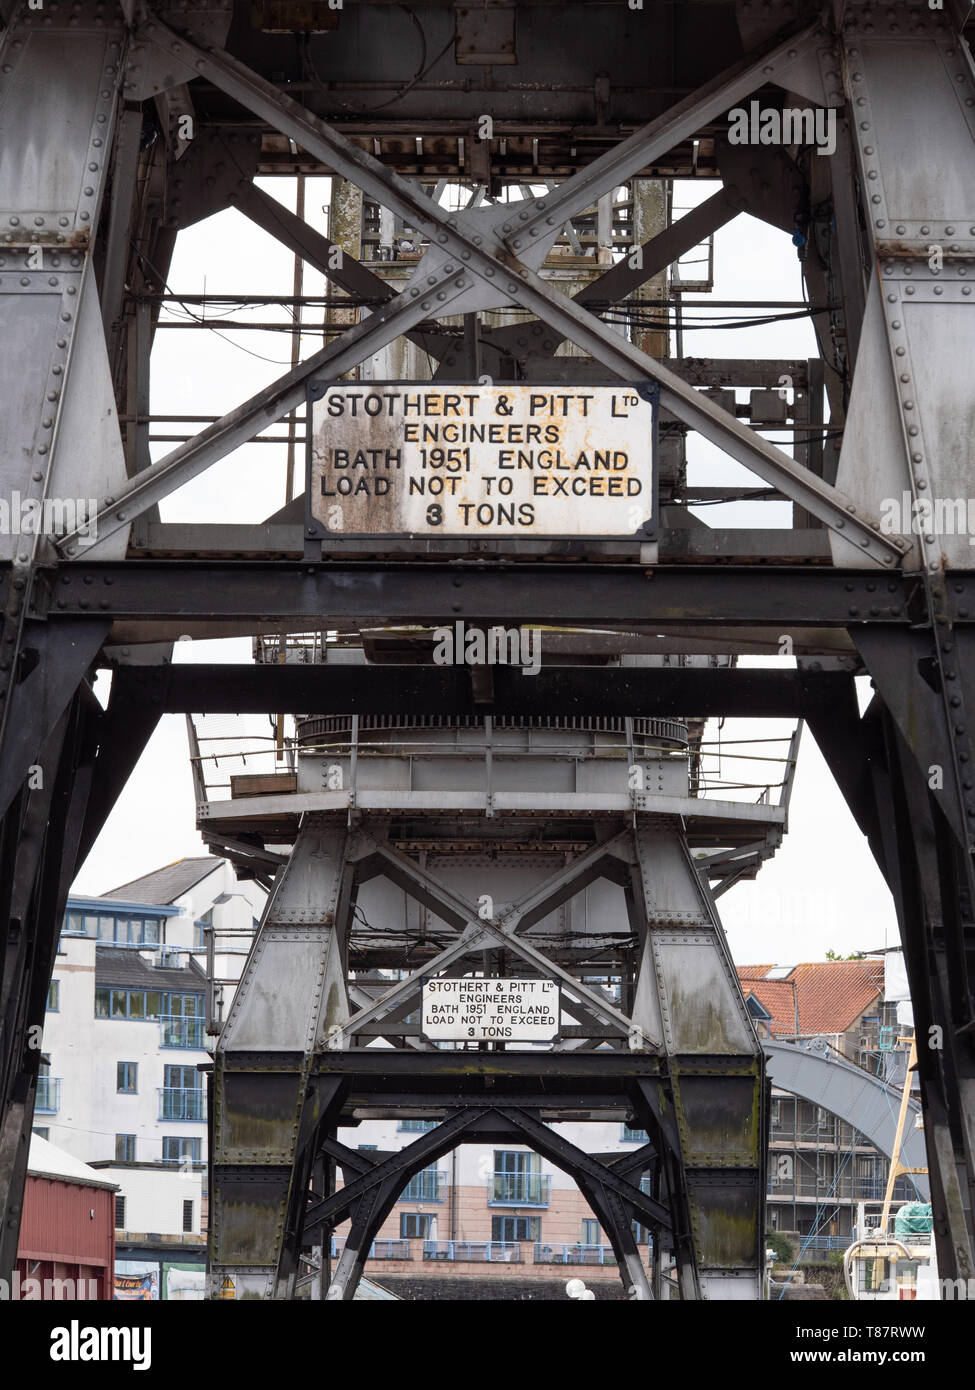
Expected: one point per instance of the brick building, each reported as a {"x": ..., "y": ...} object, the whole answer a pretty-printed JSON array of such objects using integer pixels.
[{"x": 819, "y": 1167}]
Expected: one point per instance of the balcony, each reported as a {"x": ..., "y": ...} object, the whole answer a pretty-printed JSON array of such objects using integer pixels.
[
  {"x": 187, "y": 1033},
  {"x": 476, "y": 1252},
  {"x": 574, "y": 1254},
  {"x": 428, "y": 1186},
  {"x": 838, "y": 1189},
  {"x": 181, "y": 1103},
  {"x": 48, "y": 1098},
  {"x": 520, "y": 1190},
  {"x": 385, "y": 1249}
]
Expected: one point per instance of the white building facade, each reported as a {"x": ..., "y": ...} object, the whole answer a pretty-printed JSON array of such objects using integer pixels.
[{"x": 125, "y": 1034}]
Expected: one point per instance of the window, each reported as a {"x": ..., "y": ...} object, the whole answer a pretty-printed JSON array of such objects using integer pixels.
[
  {"x": 181, "y": 1096},
  {"x": 187, "y": 1078},
  {"x": 119, "y": 1212},
  {"x": 126, "y": 1078},
  {"x": 512, "y": 1228},
  {"x": 188, "y": 1216},
  {"x": 146, "y": 1004},
  {"x": 518, "y": 1179},
  {"x": 426, "y": 1186},
  {"x": 54, "y": 996},
  {"x": 42, "y": 1131},
  {"x": 125, "y": 1148},
  {"x": 590, "y": 1231},
  {"x": 414, "y": 1225},
  {"x": 116, "y": 930},
  {"x": 177, "y": 1150},
  {"x": 47, "y": 1099},
  {"x": 199, "y": 930},
  {"x": 629, "y": 1135},
  {"x": 416, "y": 1126},
  {"x": 642, "y": 1234}
]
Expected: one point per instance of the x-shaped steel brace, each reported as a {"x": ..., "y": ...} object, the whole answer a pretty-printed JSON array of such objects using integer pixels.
[
  {"x": 498, "y": 929},
  {"x": 487, "y": 258}
]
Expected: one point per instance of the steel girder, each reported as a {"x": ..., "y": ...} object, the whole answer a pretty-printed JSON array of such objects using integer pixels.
[
  {"x": 294, "y": 1020},
  {"x": 903, "y": 434},
  {"x": 60, "y": 78},
  {"x": 480, "y": 259}
]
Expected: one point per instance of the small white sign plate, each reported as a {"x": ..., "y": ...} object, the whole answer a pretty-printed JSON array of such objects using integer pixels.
[{"x": 491, "y": 1010}]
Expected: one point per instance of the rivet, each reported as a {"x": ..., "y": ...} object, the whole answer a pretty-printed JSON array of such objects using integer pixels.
[{"x": 939, "y": 289}]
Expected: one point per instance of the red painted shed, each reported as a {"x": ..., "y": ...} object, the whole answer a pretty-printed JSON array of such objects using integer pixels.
[{"x": 67, "y": 1233}]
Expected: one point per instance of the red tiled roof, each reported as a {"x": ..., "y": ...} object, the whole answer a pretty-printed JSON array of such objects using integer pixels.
[{"x": 831, "y": 994}]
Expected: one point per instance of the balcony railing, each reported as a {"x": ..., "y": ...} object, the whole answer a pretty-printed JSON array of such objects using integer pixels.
[
  {"x": 181, "y": 1103},
  {"x": 574, "y": 1254},
  {"x": 428, "y": 1186},
  {"x": 478, "y": 1252},
  {"x": 48, "y": 1098},
  {"x": 182, "y": 1032},
  {"x": 384, "y": 1249},
  {"x": 843, "y": 1188},
  {"x": 520, "y": 1190}
]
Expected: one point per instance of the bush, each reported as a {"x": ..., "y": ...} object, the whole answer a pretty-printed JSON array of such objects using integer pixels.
[{"x": 784, "y": 1249}]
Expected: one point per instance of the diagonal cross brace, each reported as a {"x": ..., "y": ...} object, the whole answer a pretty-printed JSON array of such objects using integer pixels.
[
  {"x": 409, "y": 1160},
  {"x": 350, "y": 275},
  {"x": 501, "y": 930},
  {"x": 623, "y": 278},
  {"x": 475, "y": 240},
  {"x": 541, "y": 1137},
  {"x": 285, "y": 394}
]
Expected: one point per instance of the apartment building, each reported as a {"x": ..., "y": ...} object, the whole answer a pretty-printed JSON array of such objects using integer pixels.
[
  {"x": 492, "y": 1210},
  {"x": 820, "y": 1167},
  {"x": 124, "y": 1036}
]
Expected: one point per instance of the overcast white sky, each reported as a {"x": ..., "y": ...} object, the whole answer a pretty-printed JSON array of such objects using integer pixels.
[{"x": 822, "y": 891}]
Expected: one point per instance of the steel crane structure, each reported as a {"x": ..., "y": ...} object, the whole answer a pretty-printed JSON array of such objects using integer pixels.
[{"x": 123, "y": 123}]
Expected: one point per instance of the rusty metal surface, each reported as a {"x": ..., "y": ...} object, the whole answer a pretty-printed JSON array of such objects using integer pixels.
[{"x": 389, "y": 459}]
